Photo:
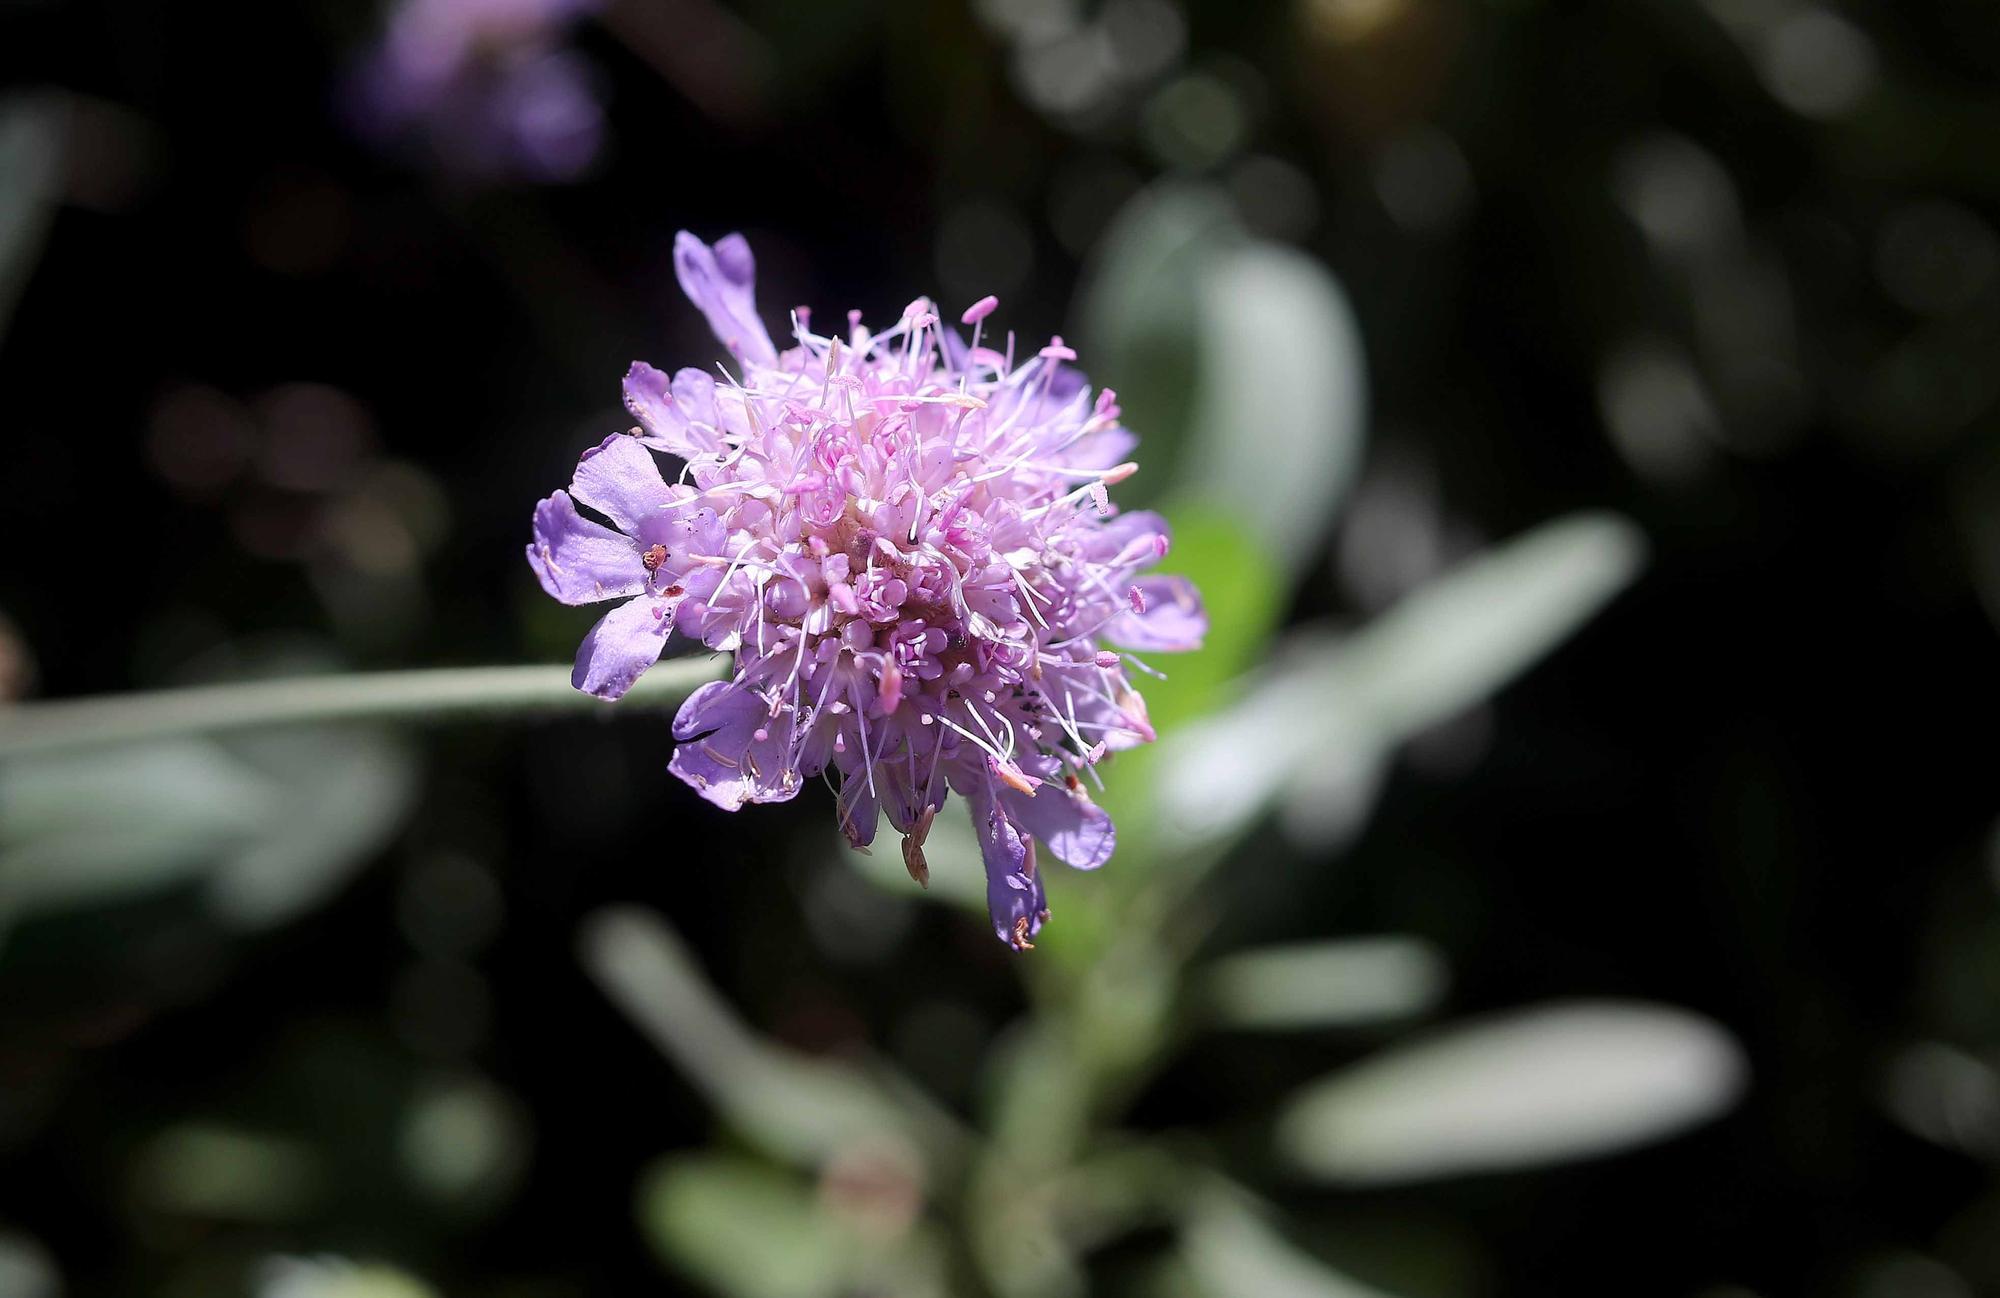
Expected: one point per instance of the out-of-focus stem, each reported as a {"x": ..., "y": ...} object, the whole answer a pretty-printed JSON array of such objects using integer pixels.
[{"x": 412, "y": 696}]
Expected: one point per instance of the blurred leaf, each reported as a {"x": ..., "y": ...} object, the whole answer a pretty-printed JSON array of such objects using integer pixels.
[
  {"x": 1462, "y": 637},
  {"x": 30, "y": 169},
  {"x": 744, "y": 1228},
  {"x": 1317, "y": 728},
  {"x": 1946, "y": 1096},
  {"x": 1232, "y": 1249},
  {"x": 1534, "y": 1086},
  {"x": 1237, "y": 361},
  {"x": 1325, "y": 984},
  {"x": 797, "y": 1108},
  {"x": 85, "y": 829},
  {"x": 26, "y": 1269},
  {"x": 463, "y": 1140},
  {"x": 1278, "y": 429},
  {"x": 335, "y": 1277},
  {"x": 199, "y": 1170},
  {"x": 1140, "y": 315},
  {"x": 343, "y": 791},
  {"x": 272, "y": 822}
]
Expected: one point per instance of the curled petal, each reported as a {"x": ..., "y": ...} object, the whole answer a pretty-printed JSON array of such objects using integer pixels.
[
  {"x": 721, "y": 755},
  {"x": 1169, "y": 619},
  {"x": 649, "y": 397},
  {"x": 1014, "y": 894},
  {"x": 677, "y": 415},
  {"x": 578, "y": 561},
  {"x": 1101, "y": 450},
  {"x": 857, "y": 811},
  {"x": 623, "y": 644},
  {"x": 1137, "y": 537},
  {"x": 1076, "y": 830},
  {"x": 722, "y": 282},
  {"x": 620, "y": 479},
  {"x": 908, "y": 802}
]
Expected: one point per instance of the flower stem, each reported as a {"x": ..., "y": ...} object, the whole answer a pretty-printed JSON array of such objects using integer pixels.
[{"x": 366, "y": 696}]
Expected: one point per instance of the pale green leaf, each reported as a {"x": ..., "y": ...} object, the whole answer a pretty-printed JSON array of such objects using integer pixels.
[
  {"x": 1324, "y": 984},
  {"x": 1317, "y": 727},
  {"x": 1542, "y": 1085},
  {"x": 31, "y": 149},
  {"x": 798, "y": 1108},
  {"x": 745, "y": 1229},
  {"x": 1283, "y": 405},
  {"x": 1231, "y": 1248}
]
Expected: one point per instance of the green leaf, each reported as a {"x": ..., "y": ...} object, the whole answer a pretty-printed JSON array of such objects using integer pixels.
[
  {"x": 1324, "y": 984},
  {"x": 1283, "y": 405},
  {"x": 744, "y": 1228},
  {"x": 796, "y": 1108},
  {"x": 1140, "y": 316},
  {"x": 342, "y": 793},
  {"x": 1316, "y": 729},
  {"x": 214, "y": 1171},
  {"x": 1461, "y": 638},
  {"x": 1238, "y": 362},
  {"x": 268, "y": 824},
  {"x": 81, "y": 830},
  {"x": 26, "y": 1268},
  {"x": 31, "y": 149},
  {"x": 463, "y": 1141},
  {"x": 1542, "y": 1085},
  {"x": 1232, "y": 1248},
  {"x": 325, "y": 1276}
]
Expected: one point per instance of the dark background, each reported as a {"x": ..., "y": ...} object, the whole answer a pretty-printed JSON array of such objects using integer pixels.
[{"x": 1759, "y": 786}]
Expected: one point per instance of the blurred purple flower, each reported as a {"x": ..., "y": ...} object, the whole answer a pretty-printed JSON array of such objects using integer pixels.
[
  {"x": 486, "y": 85},
  {"x": 906, "y": 542}
]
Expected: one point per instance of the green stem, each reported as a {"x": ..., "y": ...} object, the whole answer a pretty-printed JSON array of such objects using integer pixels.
[{"x": 368, "y": 696}]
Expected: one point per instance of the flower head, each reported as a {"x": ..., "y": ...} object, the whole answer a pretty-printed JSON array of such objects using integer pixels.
[
  {"x": 488, "y": 85},
  {"x": 905, "y": 541}
]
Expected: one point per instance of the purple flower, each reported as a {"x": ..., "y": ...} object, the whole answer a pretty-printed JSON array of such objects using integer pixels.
[
  {"x": 905, "y": 541},
  {"x": 486, "y": 85}
]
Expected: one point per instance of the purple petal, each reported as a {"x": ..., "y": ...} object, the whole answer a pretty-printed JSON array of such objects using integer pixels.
[
  {"x": 956, "y": 350},
  {"x": 722, "y": 282},
  {"x": 649, "y": 397},
  {"x": 1172, "y": 620},
  {"x": 720, "y": 755},
  {"x": 1014, "y": 893},
  {"x": 695, "y": 390},
  {"x": 688, "y": 529},
  {"x": 1076, "y": 830},
  {"x": 1101, "y": 450},
  {"x": 1138, "y": 537},
  {"x": 581, "y": 562},
  {"x": 620, "y": 479},
  {"x": 623, "y": 644},
  {"x": 857, "y": 811},
  {"x": 902, "y": 798},
  {"x": 678, "y": 417}
]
